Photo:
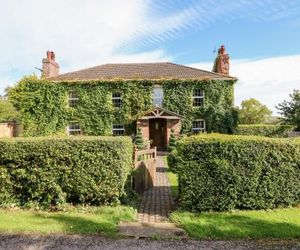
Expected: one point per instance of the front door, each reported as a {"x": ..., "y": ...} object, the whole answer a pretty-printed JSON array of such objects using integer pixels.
[{"x": 158, "y": 132}]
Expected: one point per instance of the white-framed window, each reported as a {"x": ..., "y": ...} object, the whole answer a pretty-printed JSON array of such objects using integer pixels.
[
  {"x": 73, "y": 98},
  {"x": 74, "y": 128},
  {"x": 198, "y": 126},
  {"x": 117, "y": 99},
  {"x": 118, "y": 129},
  {"x": 198, "y": 97},
  {"x": 158, "y": 95}
]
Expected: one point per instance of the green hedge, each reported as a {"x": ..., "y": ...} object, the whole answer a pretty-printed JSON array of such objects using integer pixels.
[
  {"x": 223, "y": 172},
  {"x": 52, "y": 171},
  {"x": 264, "y": 130}
]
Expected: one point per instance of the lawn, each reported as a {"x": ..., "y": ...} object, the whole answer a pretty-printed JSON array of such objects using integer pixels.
[
  {"x": 101, "y": 220},
  {"x": 172, "y": 179},
  {"x": 277, "y": 223}
]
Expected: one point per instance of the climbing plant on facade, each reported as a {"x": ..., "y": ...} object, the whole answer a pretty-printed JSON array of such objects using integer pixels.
[{"x": 45, "y": 110}]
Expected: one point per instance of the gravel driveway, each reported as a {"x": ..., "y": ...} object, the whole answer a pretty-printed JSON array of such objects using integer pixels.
[{"x": 34, "y": 242}]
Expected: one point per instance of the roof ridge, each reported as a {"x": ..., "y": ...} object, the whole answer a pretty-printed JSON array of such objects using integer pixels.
[
  {"x": 79, "y": 70},
  {"x": 135, "y": 63},
  {"x": 207, "y": 71},
  {"x": 147, "y": 70}
]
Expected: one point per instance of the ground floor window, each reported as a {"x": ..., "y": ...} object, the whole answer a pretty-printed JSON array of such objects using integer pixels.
[
  {"x": 118, "y": 129},
  {"x": 74, "y": 128},
  {"x": 198, "y": 126}
]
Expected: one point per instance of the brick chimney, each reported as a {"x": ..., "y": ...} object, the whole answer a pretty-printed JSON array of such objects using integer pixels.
[
  {"x": 222, "y": 64},
  {"x": 50, "y": 67}
]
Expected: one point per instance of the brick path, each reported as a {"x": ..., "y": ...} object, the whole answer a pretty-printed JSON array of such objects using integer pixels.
[{"x": 157, "y": 202}]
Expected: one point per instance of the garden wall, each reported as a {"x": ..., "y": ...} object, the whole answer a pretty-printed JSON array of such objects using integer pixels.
[
  {"x": 52, "y": 171},
  {"x": 223, "y": 172}
]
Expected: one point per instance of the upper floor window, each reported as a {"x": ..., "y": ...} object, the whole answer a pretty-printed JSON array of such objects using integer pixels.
[
  {"x": 73, "y": 98},
  {"x": 198, "y": 97},
  {"x": 117, "y": 99},
  {"x": 118, "y": 129},
  {"x": 74, "y": 128},
  {"x": 198, "y": 126},
  {"x": 158, "y": 95}
]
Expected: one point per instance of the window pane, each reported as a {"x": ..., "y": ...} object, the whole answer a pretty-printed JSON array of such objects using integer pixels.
[
  {"x": 198, "y": 126},
  {"x": 197, "y": 102},
  {"x": 198, "y": 93},
  {"x": 73, "y": 98},
  {"x": 117, "y": 99},
  {"x": 118, "y": 129},
  {"x": 74, "y": 128},
  {"x": 198, "y": 97},
  {"x": 116, "y": 95},
  {"x": 158, "y": 96}
]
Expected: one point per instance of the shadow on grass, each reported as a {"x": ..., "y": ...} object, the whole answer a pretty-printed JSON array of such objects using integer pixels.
[
  {"x": 224, "y": 226},
  {"x": 73, "y": 224}
]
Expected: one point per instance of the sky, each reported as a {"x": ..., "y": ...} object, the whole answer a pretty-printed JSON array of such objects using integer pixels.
[{"x": 262, "y": 38}]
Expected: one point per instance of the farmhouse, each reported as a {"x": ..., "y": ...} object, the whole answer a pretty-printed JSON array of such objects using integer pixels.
[{"x": 116, "y": 99}]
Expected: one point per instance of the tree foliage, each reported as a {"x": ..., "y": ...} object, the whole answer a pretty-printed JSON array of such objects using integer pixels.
[
  {"x": 253, "y": 112},
  {"x": 8, "y": 111},
  {"x": 290, "y": 110}
]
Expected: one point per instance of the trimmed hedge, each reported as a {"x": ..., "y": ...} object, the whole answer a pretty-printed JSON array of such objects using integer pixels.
[
  {"x": 264, "y": 130},
  {"x": 225, "y": 172},
  {"x": 52, "y": 171}
]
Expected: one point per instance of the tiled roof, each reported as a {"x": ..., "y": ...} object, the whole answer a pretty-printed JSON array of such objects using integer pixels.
[{"x": 140, "y": 71}]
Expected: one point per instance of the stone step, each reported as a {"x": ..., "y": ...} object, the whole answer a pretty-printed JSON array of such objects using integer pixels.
[{"x": 151, "y": 230}]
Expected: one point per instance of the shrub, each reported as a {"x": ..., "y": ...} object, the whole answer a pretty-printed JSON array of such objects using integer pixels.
[
  {"x": 139, "y": 140},
  {"x": 265, "y": 130},
  {"x": 172, "y": 140},
  {"x": 223, "y": 172},
  {"x": 51, "y": 171}
]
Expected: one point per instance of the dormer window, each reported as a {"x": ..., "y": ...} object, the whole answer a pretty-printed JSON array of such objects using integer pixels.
[
  {"x": 73, "y": 98},
  {"x": 117, "y": 99},
  {"x": 198, "y": 97},
  {"x": 158, "y": 96}
]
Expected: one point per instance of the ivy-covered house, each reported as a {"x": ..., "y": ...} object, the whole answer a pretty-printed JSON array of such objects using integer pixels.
[{"x": 115, "y": 99}]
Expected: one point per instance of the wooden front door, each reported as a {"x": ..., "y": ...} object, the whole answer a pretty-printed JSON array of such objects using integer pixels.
[{"x": 158, "y": 132}]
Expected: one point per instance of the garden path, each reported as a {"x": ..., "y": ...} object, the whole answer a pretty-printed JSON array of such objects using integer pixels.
[{"x": 157, "y": 202}]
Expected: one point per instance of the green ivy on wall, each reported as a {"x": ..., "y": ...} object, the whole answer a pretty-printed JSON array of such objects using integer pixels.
[
  {"x": 217, "y": 111},
  {"x": 45, "y": 110}
]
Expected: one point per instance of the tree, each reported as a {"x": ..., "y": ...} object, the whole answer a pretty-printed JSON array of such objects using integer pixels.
[
  {"x": 7, "y": 111},
  {"x": 253, "y": 112},
  {"x": 290, "y": 110}
]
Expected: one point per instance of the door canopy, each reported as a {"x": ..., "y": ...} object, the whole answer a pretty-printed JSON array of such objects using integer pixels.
[{"x": 159, "y": 112}]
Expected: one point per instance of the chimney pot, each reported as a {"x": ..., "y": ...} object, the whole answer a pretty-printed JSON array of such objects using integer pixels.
[
  {"x": 50, "y": 67},
  {"x": 222, "y": 64}
]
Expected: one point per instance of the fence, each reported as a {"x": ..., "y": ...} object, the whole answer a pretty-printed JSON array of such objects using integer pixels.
[
  {"x": 10, "y": 129},
  {"x": 294, "y": 134},
  {"x": 145, "y": 169}
]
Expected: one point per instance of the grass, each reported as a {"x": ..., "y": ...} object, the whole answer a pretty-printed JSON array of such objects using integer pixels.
[
  {"x": 101, "y": 220},
  {"x": 173, "y": 179},
  {"x": 277, "y": 223}
]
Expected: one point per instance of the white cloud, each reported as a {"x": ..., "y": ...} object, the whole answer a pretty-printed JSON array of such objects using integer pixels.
[
  {"x": 82, "y": 33},
  {"x": 269, "y": 80},
  {"x": 92, "y": 32}
]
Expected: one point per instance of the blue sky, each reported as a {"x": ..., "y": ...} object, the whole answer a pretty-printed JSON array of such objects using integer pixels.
[{"x": 261, "y": 36}]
